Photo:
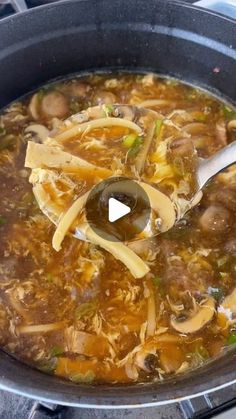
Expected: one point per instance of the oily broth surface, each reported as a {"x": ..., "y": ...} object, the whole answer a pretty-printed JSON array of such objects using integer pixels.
[{"x": 99, "y": 311}]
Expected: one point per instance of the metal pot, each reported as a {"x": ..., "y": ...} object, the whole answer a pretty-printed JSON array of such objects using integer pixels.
[{"x": 168, "y": 37}]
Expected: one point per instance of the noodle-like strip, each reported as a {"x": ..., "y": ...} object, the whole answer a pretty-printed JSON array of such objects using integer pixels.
[
  {"x": 133, "y": 262},
  {"x": 40, "y": 328},
  {"x": 45, "y": 203},
  {"x": 142, "y": 155},
  {"x": 97, "y": 123},
  {"x": 67, "y": 220},
  {"x": 162, "y": 205}
]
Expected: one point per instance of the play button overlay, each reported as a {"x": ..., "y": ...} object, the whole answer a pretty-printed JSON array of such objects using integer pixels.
[{"x": 118, "y": 209}]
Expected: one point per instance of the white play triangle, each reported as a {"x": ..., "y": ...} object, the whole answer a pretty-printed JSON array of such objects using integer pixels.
[{"x": 116, "y": 210}]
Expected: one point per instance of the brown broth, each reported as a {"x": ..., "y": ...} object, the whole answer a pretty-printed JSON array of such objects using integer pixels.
[{"x": 99, "y": 311}]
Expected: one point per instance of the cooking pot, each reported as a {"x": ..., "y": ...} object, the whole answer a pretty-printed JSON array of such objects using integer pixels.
[{"x": 167, "y": 37}]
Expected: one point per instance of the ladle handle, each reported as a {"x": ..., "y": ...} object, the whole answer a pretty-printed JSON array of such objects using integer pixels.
[{"x": 210, "y": 167}]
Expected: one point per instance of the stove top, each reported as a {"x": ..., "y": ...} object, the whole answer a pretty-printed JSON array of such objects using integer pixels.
[{"x": 220, "y": 404}]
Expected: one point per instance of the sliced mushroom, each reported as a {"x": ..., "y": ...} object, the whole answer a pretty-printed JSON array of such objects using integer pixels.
[
  {"x": 54, "y": 105},
  {"x": 127, "y": 112},
  {"x": 171, "y": 358},
  {"x": 203, "y": 316},
  {"x": 39, "y": 132},
  {"x": 225, "y": 196},
  {"x": 181, "y": 147},
  {"x": 34, "y": 108},
  {"x": 146, "y": 359},
  {"x": 195, "y": 128},
  {"x": 104, "y": 98},
  {"x": 78, "y": 89},
  {"x": 215, "y": 219},
  {"x": 232, "y": 125}
]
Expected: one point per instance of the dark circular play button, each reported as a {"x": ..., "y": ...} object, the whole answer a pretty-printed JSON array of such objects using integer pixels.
[{"x": 118, "y": 209}]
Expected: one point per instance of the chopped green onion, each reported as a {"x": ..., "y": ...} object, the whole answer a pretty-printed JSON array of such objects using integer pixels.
[
  {"x": 48, "y": 366},
  {"x": 159, "y": 123},
  {"x": 7, "y": 142},
  {"x": 156, "y": 281},
  {"x": 108, "y": 109},
  {"x": 50, "y": 277},
  {"x": 191, "y": 95},
  {"x": 217, "y": 293},
  {"x": 2, "y": 131},
  {"x": 158, "y": 284},
  {"x": 228, "y": 112},
  {"x": 2, "y": 220},
  {"x": 41, "y": 93},
  {"x": 88, "y": 377},
  {"x": 129, "y": 140},
  {"x": 135, "y": 147},
  {"x": 57, "y": 350},
  {"x": 202, "y": 352},
  {"x": 85, "y": 310},
  {"x": 201, "y": 117},
  {"x": 232, "y": 338}
]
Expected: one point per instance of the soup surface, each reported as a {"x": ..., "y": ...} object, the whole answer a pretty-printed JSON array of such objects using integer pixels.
[{"x": 69, "y": 307}]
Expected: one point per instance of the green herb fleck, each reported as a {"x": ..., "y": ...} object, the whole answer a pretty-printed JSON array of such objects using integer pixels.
[
  {"x": 134, "y": 150},
  {"x": 158, "y": 284},
  {"x": 156, "y": 281},
  {"x": 50, "y": 277},
  {"x": 2, "y": 220},
  {"x": 57, "y": 350},
  {"x": 108, "y": 109},
  {"x": 85, "y": 310},
  {"x": 201, "y": 117},
  {"x": 2, "y": 131},
  {"x": 48, "y": 366},
  {"x": 41, "y": 93},
  {"x": 217, "y": 293},
  {"x": 202, "y": 352},
  {"x": 228, "y": 113},
  {"x": 88, "y": 377},
  {"x": 7, "y": 142},
  {"x": 191, "y": 95},
  {"x": 232, "y": 338},
  {"x": 176, "y": 232},
  {"x": 158, "y": 126},
  {"x": 129, "y": 140}
]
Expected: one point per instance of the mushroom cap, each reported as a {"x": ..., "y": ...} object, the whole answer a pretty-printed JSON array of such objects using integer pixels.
[{"x": 203, "y": 316}]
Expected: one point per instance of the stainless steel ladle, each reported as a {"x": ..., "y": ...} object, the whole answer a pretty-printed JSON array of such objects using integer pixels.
[{"x": 215, "y": 164}]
